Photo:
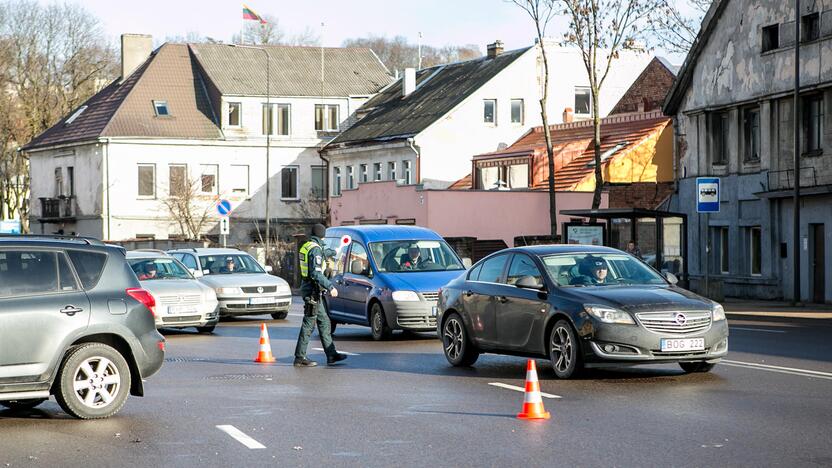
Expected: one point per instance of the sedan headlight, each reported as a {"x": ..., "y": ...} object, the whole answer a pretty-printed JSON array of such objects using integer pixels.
[
  {"x": 609, "y": 315},
  {"x": 228, "y": 291},
  {"x": 719, "y": 313},
  {"x": 405, "y": 296}
]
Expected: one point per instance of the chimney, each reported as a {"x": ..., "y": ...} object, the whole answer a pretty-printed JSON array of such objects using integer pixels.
[
  {"x": 135, "y": 49},
  {"x": 495, "y": 49},
  {"x": 568, "y": 115},
  {"x": 409, "y": 81}
]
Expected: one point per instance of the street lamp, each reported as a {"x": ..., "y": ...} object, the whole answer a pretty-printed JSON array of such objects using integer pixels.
[{"x": 270, "y": 121}]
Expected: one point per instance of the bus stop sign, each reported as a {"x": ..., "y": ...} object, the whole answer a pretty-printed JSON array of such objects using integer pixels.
[{"x": 707, "y": 194}]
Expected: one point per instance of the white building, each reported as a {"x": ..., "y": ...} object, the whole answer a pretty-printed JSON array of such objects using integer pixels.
[
  {"x": 425, "y": 127},
  {"x": 197, "y": 113}
]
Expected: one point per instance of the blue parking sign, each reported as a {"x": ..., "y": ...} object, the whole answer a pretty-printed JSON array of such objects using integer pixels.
[
  {"x": 707, "y": 194},
  {"x": 223, "y": 207}
]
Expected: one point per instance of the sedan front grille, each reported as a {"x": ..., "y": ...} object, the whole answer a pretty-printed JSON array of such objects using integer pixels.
[
  {"x": 431, "y": 296},
  {"x": 183, "y": 319},
  {"x": 253, "y": 289},
  {"x": 180, "y": 300},
  {"x": 677, "y": 322}
]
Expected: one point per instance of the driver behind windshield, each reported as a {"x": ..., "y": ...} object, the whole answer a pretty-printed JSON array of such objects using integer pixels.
[
  {"x": 229, "y": 266},
  {"x": 412, "y": 260},
  {"x": 593, "y": 270}
]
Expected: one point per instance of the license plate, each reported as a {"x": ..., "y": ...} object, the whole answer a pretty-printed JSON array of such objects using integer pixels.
[
  {"x": 683, "y": 344},
  {"x": 262, "y": 300},
  {"x": 434, "y": 311},
  {"x": 181, "y": 310}
]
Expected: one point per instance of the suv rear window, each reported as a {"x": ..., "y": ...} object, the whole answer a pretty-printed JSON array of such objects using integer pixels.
[
  {"x": 88, "y": 265},
  {"x": 27, "y": 272}
]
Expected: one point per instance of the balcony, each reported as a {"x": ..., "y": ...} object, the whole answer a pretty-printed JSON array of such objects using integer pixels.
[
  {"x": 780, "y": 184},
  {"x": 59, "y": 209}
]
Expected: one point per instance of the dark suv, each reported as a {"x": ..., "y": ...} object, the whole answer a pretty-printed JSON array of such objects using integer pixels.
[{"x": 74, "y": 323}]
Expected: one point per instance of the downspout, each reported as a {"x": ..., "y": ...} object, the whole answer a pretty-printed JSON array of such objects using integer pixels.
[{"x": 417, "y": 151}]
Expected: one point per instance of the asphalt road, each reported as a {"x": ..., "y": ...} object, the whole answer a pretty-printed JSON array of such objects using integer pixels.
[{"x": 399, "y": 403}]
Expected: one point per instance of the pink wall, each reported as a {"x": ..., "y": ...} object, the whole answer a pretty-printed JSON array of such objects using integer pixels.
[{"x": 485, "y": 215}]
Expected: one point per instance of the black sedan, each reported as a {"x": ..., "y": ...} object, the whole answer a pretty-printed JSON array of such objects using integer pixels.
[{"x": 580, "y": 306}]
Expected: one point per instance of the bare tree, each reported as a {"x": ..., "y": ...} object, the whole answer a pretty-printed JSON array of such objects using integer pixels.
[
  {"x": 674, "y": 24},
  {"x": 541, "y": 12},
  {"x": 601, "y": 29},
  {"x": 397, "y": 53},
  {"x": 188, "y": 207},
  {"x": 270, "y": 32}
]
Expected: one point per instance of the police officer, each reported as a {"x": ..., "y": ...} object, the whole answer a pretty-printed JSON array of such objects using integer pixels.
[{"x": 313, "y": 285}]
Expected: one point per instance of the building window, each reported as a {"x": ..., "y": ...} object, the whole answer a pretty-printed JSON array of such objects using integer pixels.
[
  {"x": 209, "y": 179},
  {"x": 239, "y": 179},
  {"x": 59, "y": 182},
  {"x": 326, "y": 117},
  {"x": 771, "y": 37},
  {"x": 517, "y": 111},
  {"x": 724, "y": 250},
  {"x": 376, "y": 172},
  {"x": 391, "y": 170},
  {"x": 813, "y": 124},
  {"x": 177, "y": 179},
  {"x": 406, "y": 222},
  {"x": 289, "y": 183},
  {"x": 283, "y": 119},
  {"x": 489, "y": 114},
  {"x": 70, "y": 174},
  {"x": 268, "y": 119},
  {"x": 720, "y": 136},
  {"x": 234, "y": 110},
  {"x": 336, "y": 181},
  {"x": 515, "y": 176},
  {"x": 147, "y": 180},
  {"x": 582, "y": 101},
  {"x": 407, "y": 177},
  {"x": 363, "y": 173},
  {"x": 161, "y": 108},
  {"x": 318, "y": 182},
  {"x": 751, "y": 125},
  {"x": 755, "y": 246},
  {"x": 350, "y": 178},
  {"x": 810, "y": 27}
]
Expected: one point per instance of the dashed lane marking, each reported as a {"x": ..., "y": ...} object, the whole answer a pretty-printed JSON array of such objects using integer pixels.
[
  {"x": 520, "y": 389},
  {"x": 757, "y": 330},
  {"x": 778, "y": 369},
  {"x": 342, "y": 352},
  {"x": 241, "y": 437}
]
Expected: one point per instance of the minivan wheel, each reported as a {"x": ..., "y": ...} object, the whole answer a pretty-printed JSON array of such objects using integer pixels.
[
  {"x": 93, "y": 382},
  {"x": 280, "y": 315},
  {"x": 691, "y": 367},
  {"x": 378, "y": 323},
  {"x": 459, "y": 351},
  {"x": 19, "y": 405},
  {"x": 563, "y": 350}
]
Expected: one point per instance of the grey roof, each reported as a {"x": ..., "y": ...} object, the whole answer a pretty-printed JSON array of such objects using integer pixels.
[
  {"x": 672, "y": 68},
  {"x": 294, "y": 71},
  {"x": 439, "y": 89}
]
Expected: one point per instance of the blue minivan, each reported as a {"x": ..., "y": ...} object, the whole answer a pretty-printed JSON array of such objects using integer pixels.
[{"x": 388, "y": 277}]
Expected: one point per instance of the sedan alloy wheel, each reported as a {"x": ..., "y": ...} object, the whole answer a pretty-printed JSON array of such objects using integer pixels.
[
  {"x": 563, "y": 347},
  {"x": 459, "y": 351}
]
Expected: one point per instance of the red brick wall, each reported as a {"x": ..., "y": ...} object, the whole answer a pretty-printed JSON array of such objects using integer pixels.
[
  {"x": 650, "y": 87},
  {"x": 646, "y": 195}
]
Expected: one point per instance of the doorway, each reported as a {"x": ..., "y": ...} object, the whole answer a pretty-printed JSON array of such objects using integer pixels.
[{"x": 818, "y": 263}]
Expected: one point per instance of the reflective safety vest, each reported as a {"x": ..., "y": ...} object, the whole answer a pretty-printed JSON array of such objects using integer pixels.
[{"x": 304, "y": 259}]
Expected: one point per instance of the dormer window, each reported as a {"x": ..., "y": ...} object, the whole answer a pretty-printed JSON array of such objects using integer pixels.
[
  {"x": 161, "y": 108},
  {"x": 75, "y": 115}
]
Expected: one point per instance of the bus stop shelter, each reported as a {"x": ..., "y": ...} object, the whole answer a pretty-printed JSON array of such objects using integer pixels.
[{"x": 660, "y": 236}]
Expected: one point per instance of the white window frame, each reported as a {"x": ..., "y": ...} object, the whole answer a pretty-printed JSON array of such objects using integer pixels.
[
  {"x": 276, "y": 119},
  {"x": 215, "y": 189},
  {"x": 326, "y": 125},
  {"x": 237, "y": 185},
  {"x": 153, "y": 180},
  {"x": 391, "y": 170},
  {"x": 350, "y": 178},
  {"x": 157, "y": 104},
  {"x": 336, "y": 181},
  {"x": 492, "y": 122},
  {"x": 363, "y": 174},
  {"x": 376, "y": 172},
  {"x": 270, "y": 109},
  {"x": 522, "y": 111},
  {"x": 588, "y": 91},
  {"x": 408, "y": 172},
  {"x": 297, "y": 182},
  {"x": 185, "y": 182},
  {"x": 322, "y": 195},
  {"x": 239, "y": 106}
]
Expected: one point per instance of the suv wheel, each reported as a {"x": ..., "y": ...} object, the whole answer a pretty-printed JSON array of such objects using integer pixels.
[
  {"x": 280, "y": 315},
  {"x": 563, "y": 350},
  {"x": 93, "y": 382},
  {"x": 459, "y": 350},
  {"x": 19, "y": 405},
  {"x": 378, "y": 324}
]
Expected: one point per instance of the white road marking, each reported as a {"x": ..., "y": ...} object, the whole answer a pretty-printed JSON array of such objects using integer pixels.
[
  {"x": 241, "y": 437},
  {"x": 342, "y": 352},
  {"x": 520, "y": 389},
  {"x": 779, "y": 369},
  {"x": 757, "y": 330}
]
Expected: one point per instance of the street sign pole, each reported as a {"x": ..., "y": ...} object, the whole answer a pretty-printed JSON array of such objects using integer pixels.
[{"x": 707, "y": 202}]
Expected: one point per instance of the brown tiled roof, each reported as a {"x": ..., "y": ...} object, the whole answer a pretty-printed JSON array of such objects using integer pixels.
[
  {"x": 462, "y": 184},
  {"x": 125, "y": 109},
  {"x": 294, "y": 71}
]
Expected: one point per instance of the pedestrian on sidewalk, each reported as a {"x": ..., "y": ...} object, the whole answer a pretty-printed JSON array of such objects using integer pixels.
[
  {"x": 313, "y": 286},
  {"x": 633, "y": 249}
]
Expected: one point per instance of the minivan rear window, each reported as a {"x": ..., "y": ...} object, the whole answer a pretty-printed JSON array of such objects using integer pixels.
[{"x": 88, "y": 265}]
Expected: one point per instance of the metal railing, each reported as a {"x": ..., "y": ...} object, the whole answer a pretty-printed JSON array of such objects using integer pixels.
[
  {"x": 784, "y": 179},
  {"x": 57, "y": 208}
]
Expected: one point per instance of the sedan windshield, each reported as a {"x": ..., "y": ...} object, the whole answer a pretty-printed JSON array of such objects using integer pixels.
[
  {"x": 227, "y": 264},
  {"x": 148, "y": 269},
  {"x": 599, "y": 269},
  {"x": 414, "y": 255}
]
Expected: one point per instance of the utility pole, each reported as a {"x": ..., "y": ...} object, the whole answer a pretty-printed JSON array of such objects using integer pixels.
[{"x": 796, "y": 118}]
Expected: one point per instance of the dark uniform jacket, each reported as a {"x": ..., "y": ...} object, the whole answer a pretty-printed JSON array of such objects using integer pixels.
[{"x": 316, "y": 282}]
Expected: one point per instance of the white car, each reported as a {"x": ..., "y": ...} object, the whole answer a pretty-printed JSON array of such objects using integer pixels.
[
  {"x": 243, "y": 286},
  {"x": 181, "y": 300}
]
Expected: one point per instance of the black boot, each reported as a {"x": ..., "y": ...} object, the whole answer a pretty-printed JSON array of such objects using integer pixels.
[
  {"x": 305, "y": 363},
  {"x": 337, "y": 357}
]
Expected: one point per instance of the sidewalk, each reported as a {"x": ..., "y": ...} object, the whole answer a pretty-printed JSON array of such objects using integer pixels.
[{"x": 737, "y": 307}]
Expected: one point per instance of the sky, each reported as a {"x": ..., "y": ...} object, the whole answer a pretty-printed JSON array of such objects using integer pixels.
[{"x": 441, "y": 22}]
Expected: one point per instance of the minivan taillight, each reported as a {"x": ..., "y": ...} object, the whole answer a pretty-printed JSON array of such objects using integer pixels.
[{"x": 144, "y": 297}]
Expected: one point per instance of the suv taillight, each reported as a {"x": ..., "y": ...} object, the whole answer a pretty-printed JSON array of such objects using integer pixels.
[{"x": 144, "y": 297}]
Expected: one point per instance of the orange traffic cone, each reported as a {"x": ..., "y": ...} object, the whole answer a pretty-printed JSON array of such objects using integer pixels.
[
  {"x": 532, "y": 402},
  {"x": 265, "y": 354}
]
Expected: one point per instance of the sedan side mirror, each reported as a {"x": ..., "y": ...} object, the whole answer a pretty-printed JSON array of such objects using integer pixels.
[
  {"x": 529, "y": 282},
  {"x": 671, "y": 278},
  {"x": 206, "y": 272},
  {"x": 269, "y": 269},
  {"x": 196, "y": 273}
]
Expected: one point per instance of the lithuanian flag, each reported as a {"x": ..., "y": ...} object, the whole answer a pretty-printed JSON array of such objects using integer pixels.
[{"x": 249, "y": 14}]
